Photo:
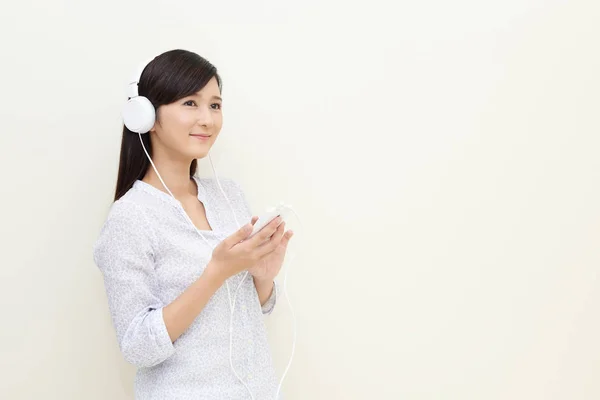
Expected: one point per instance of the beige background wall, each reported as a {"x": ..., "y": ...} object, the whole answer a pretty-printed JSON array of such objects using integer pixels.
[{"x": 443, "y": 157}]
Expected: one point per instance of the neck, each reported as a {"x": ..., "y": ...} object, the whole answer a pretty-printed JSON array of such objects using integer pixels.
[{"x": 175, "y": 174}]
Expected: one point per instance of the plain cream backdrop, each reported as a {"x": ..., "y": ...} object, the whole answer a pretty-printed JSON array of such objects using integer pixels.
[{"x": 443, "y": 156}]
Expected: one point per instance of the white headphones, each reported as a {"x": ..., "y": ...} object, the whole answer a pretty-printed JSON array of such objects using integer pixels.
[{"x": 138, "y": 112}]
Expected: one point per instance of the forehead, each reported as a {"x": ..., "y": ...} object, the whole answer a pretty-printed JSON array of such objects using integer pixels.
[{"x": 211, "y": 89}]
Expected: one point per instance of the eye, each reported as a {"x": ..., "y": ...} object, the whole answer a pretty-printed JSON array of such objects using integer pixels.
[
  {"x": 189, "y": 103},
  {"x": 216, "y": 106}
]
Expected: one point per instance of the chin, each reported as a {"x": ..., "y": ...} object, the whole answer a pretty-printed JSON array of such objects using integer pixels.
[
  {"x": 199, "y": 150},
  {"x": 200, "y": 154}
]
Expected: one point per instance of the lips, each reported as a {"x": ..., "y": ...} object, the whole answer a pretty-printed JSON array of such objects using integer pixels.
[{"x": 201, "y": 136}]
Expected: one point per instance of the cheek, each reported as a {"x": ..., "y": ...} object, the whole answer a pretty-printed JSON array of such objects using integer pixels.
[
  {"x": 180, "y": 125},
  {"x": 184, "y": 122},
  {"x": 175, "y": 127},
  {"x": 218, "y": 122}
]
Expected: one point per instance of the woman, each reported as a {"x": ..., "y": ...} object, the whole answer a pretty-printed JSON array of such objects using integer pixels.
[{"x": 171, "y": 247}]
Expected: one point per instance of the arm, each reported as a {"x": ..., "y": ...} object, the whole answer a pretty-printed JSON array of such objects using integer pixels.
[
  {"x": 266, "y": 290},
  {"x": 182, "y": 311},
  {"x": 145, "y": 327}
]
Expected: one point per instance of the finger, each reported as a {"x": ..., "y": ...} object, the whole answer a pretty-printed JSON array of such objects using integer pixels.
[
  {"x": 286, "y": 238},
  {"x": 280, "y": 231},
  {"x": 269, "y": 246},
  {"x": 271, "y": 243},
  {"x": 278, "y": 235},
  {"x": 238, "y": 236},
  {"x": 274, "y": 227},
  {"x": 254, "y": 219},
  {"x": 266, "y": 232}
]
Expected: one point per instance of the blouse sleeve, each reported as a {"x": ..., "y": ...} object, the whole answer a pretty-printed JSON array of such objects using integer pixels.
[{"x": 124, "y": 254}]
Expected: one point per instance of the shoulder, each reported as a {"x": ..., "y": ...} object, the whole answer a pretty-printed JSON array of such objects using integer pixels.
[
  {"x": 132, "y": 211},
  {"x": 125, "y": 212},
  {"x": 125, "y": 229}
]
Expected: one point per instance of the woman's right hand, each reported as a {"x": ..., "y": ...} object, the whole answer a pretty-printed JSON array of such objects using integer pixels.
[{"x": 235, "y": 254}]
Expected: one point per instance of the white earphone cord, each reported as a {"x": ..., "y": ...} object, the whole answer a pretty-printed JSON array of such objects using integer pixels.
[{"x": 232, "y": 304}]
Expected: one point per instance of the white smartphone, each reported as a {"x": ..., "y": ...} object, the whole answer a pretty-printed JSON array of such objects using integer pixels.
[{"x": 263, "y": 220}]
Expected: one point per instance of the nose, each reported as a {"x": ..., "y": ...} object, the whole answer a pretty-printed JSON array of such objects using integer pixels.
[{"x": 205, "y": 117}]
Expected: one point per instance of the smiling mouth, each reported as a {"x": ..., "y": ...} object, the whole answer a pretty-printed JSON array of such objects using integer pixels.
[{"x": 201, "y": 136}]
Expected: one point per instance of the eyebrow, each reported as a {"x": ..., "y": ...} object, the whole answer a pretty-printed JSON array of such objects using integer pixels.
[{"x": 212, "y": 97}]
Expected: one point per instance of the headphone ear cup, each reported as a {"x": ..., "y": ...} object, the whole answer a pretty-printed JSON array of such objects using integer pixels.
[{"x": 139, "y": 114}]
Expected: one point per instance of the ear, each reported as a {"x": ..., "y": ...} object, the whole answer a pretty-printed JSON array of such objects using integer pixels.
[{"x": 156, "y": 121}]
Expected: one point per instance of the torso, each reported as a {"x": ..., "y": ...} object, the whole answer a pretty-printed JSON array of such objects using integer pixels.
[
  {"x": 193, "y": 207},
  {"x": 200, "y": 364},
  {"x": 197, "y": 213}
]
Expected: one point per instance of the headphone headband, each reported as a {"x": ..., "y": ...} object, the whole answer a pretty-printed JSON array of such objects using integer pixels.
[{"x": 132, "y": 84}]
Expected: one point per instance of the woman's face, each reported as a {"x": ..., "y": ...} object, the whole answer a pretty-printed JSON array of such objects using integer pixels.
[{"x": 190, "y": 126}]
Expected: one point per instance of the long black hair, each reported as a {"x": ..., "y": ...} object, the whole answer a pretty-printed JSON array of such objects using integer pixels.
[{"x": 171, "y": 76}]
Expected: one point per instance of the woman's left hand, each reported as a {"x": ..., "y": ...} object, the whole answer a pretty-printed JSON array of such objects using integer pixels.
[{"x": 269, "y": 266}]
